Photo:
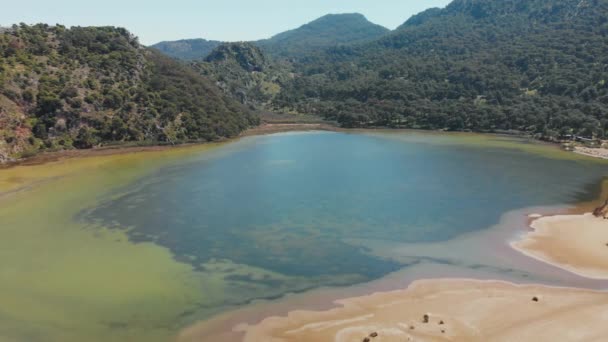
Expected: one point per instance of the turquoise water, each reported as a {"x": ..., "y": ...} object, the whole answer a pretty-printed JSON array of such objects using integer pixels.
[{"x": 273, "y": 214}]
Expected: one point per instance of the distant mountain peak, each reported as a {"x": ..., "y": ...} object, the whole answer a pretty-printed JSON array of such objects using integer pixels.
[
  {"x": 338, "y": 21},
  {"x": 337, "y": 17},
  {"x": 326, "y": 31}
]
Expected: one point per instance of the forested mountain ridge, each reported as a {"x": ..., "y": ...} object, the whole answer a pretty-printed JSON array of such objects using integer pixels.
[
  {"x": 327, "y": 31},
  {"x": 79, "y": 87},
  {"x": 187, "y": 49},
  {"x": 533, "y": 66},
  {"x": 483, "y": 65}
]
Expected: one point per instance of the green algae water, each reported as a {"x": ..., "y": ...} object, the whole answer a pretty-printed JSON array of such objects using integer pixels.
[{"x": 134, "y": 247}]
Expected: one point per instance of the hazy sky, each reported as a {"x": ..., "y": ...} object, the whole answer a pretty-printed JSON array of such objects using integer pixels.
[{"x": 228, "y": 20}]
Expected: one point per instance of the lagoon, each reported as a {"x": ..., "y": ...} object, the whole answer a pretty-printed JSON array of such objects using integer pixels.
[{"x": 136, "y": 246}]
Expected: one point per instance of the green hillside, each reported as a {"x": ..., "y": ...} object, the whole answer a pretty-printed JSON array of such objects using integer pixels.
[
  {"x": 245, "y": 72},
  {"x": 187, "y": 49},
  {"x": 85, "y": 86},
  {"x": 483, "y": 65}
]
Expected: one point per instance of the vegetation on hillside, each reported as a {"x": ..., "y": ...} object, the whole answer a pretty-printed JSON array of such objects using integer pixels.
[
  {"x": 531, "y": 66},
  {"x": 84, "y": 86},
  {"x": 187, "y": 49},
  {"x": 244, "y": 72},
  {"x": 481, "y": 65},
  {"x": 534, "y": 66}
]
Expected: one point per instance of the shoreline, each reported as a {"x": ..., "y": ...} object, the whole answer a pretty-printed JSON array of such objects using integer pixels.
[
  {"x": 496, "y": 241},
  {"x": 601, "y": 153},
  {"x": 571, "y": 240},
  {"x": 464, "y": 307},
  {"x": 456, "y": 309},
  {"x": 233, "y": 325},
  {"x": 263, "y": 129},
  {"x": 575, "y": 243},
  {"x": 515, "y": 268}
]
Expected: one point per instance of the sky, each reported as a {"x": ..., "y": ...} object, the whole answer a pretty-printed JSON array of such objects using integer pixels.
[{"x": 226, "y": 20}]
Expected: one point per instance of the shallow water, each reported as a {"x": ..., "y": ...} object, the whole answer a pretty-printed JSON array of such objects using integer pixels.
[{"x": 134, "y": 247}]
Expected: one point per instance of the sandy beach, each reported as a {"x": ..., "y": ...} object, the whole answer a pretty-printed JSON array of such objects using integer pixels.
[
  {"x": 454, "y": 310},
  {"x": 592, "y": 152},
  {"x": 577, "y": 243}
]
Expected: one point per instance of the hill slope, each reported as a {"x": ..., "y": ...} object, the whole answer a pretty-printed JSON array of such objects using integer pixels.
[
  {"x": 483, "y": 65},
  {"x": 327, "y": 31},
  {"x": 245, "y": 72},
  {"x": 187, "y": 49},
  {"x": 84, "y": 86}
]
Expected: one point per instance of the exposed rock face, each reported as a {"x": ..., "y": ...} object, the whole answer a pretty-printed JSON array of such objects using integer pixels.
[
  {"x": 246, "y": 55},
  {"x": 243, "y": 71},
  {"x": 602, "y": 211}
]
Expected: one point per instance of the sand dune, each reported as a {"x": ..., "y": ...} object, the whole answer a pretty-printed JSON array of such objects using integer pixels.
[{"x": 449, "y": 310}]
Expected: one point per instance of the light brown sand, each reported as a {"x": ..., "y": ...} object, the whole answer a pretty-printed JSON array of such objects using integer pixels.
[
  {"x": 458, "y": 310},
  {"x": 592, "y": 152},
  {"x": 577, "y": 243}
]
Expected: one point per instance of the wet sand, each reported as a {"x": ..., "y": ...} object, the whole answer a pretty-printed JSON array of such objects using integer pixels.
[
  {"x": 577, "y": 243},
  {"x": 456, "y": 310}
]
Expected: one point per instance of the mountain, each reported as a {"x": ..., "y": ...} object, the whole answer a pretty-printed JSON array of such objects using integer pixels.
[
  {"x": 534, "y": 66},
  {"x": 187, "y": 49},
  {"x": 66, "y": 88},
  {"x": 327, "y": 31}
]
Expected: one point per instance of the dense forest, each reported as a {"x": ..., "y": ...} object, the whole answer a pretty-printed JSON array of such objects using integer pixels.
[
  {"x": 80, "y": 87},
  {"x": 483, "y": 65},
  {"x": 531, "y": 66}
]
